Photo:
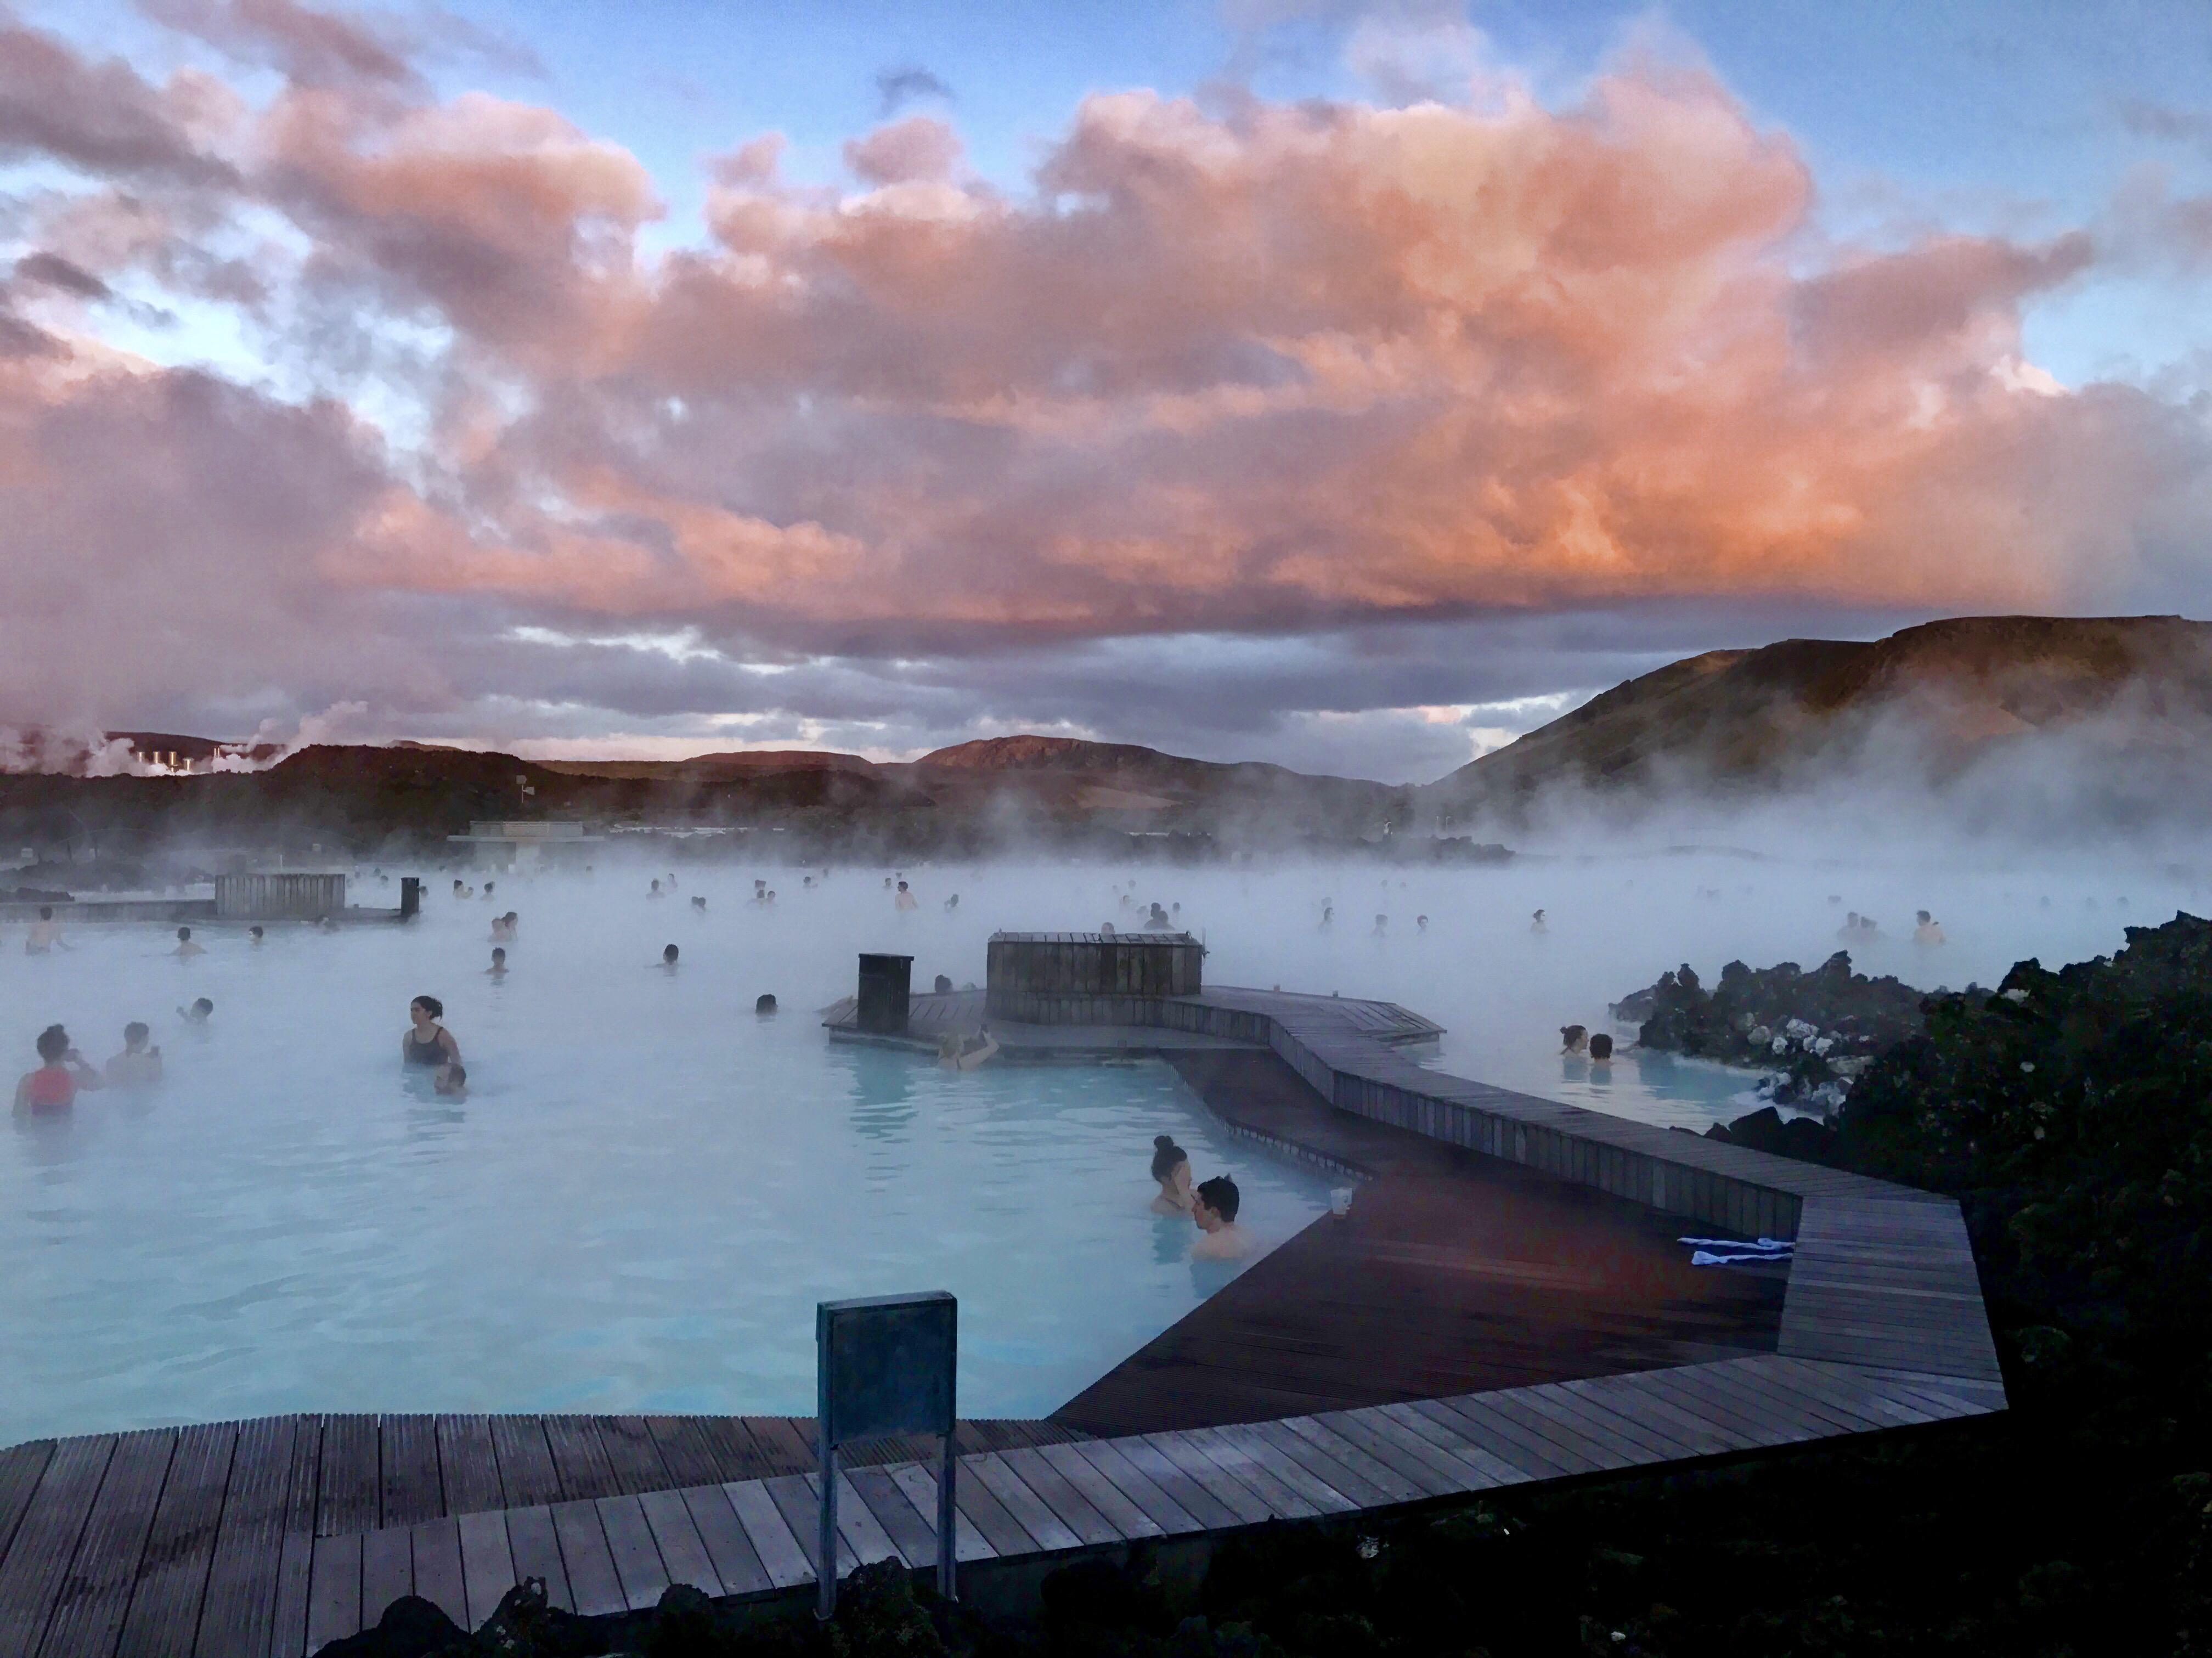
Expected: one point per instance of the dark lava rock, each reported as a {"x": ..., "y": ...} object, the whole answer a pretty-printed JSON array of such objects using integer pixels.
[
  {"x": 1817, "y": 1028},
  {"x": 411, "y": 1627},
  {"x": 1763, "y": 1130}
]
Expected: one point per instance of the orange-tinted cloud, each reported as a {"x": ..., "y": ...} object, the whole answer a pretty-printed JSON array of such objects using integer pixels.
[{"x": 1254, "y": 368}]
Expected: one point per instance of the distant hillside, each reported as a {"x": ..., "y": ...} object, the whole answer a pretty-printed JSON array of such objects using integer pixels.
[{"x": 2123, "y": 701}]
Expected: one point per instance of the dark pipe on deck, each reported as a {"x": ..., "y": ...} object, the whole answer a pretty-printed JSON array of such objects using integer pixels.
[{"x": 885, "y": 983}]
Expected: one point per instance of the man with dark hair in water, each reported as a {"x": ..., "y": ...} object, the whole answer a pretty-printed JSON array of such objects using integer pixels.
[
  {"x": 139, "y": 1064},
  {"x": 1213, "y": 1212}
]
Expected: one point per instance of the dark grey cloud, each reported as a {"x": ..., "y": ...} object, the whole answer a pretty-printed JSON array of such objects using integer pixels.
[{"x": 909, "y": 84}]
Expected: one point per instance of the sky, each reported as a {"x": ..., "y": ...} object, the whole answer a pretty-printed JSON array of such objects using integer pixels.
[{"x": 1350, "y": 385}]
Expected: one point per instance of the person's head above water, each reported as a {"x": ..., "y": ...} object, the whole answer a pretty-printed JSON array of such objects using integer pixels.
[
  {"x": 668, "y": 955},
  {"x": 1600, "y": 1046},
  {"x": 52, "y": 1044},
  {"x": 902, "y": 886},
  {"x": 1166, "y": 1154},
  {"x": 1219, "y": 1197},
  {"x": 765, "y": 1006},
  {"x": 429, "y": 1007},
  {"x": 185, "y": 933},
  {"x": 136, "y": 1034},
  {"x": 255, "y": 934},
  {"x": 45, "y": 911},
  {"x": 200, "y": 1008},
  {"x": 452, "y": 1078},
  {"x": 498, "y": 958}
]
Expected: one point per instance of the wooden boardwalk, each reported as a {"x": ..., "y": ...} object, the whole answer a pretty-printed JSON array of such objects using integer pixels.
[
  {"x": 217, "y": 1538},
  {"x": 1453, "y": 1274},
  {"x": 268, "y": 1538}
]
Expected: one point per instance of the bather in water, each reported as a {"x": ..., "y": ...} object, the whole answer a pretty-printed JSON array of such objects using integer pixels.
[
  {"x": 451, "y": 1080},
  {"x": 139, "y": 1064},
  {"x": 1213, "y": 1212},
  {"x": 958, "y": 1052},
  {"x": 186, "y": 946},
  {"x": 905, "y": 900},
  {"x": 1171, "y": 1169},
  {"x": 667, "y": 962},
  {"x": 1574, "y": 1038},
  {"x": 198, "y": 1013},
  {"x": 498, "y": 968},
  {"x": 426, "y": 1042},
  {"x": 46, "y": 933},
  {"x": 62, "y": 1074}
]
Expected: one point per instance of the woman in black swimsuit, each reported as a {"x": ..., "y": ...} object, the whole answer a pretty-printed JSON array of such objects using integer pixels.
[{"x": 428, "y": 1043}]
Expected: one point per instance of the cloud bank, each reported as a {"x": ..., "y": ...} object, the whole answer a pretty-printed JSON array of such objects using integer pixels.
[{"x": 1247, "y": 397}]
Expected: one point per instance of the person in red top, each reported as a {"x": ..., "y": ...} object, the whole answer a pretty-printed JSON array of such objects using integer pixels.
[{"x": 53, "y": 1086}]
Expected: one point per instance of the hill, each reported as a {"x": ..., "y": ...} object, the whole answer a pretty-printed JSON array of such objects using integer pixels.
[{"x": 2119, "y": 706}]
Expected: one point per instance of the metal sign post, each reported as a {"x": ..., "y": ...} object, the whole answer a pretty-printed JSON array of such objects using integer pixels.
[{"x": 885, "y": 1366}]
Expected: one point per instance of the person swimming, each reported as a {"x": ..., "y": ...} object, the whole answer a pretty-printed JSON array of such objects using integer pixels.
[
  {"x": 452, "y": 1079},
  {"x": 257, "y": 934},
  {"x": 1158, "y": 921},
  {"x": 1928, "y": 929},
  {"x": 958, "y": 1052},
  {"x": 498, "y": 968},
  {"x": 699, "y": 902},
  {"x": 655, "y": 891},
  {"x": 1536, "y": 923},
  {"x": 1600, "y": 1048},
  {"x": 764, "y": 1006},
  {"x": 1382, "y": 927},
  {"x": 1327, "y": 916},
  {"x": 426, "y": 1042},
  {"x": 1421, "y": 924},
  {"x": 186, "y": 948},
  {"x": 942, "y": 985},
  {"x": 198, "y": 1013},
  {"x": 905, "y": 900},
  {"x": 1171, "y": 1169},
  {"x": 139, "y": 1064},
  {"x": 1213, "y": 1212},
  {"x": 502, "y": 928},
  {"x": 952, "y": 904},
  {"x": 46, "y": 933},
  {"x": 61, "y": 1076},
  {"x": 667, "y": 962},
  {"x": 1574, "y": 1038}
]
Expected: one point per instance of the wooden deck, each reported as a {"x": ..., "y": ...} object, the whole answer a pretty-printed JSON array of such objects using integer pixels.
[
  {"x": 1453, "y": 1274},
  {"x": 221, "y": 1537},
  {"x": 930, "y": 1015},
  {"x": 273, "y": 1536}
]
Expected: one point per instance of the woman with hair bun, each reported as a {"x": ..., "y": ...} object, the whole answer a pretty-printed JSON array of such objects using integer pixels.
[
  {"x": 1171, "y": 1169},
  {"x": 426, "y": 1042}
]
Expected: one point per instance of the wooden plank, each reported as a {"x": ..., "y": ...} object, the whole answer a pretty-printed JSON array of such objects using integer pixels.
[
  {"x": 238, "y": 1612},
  {"x": 636, "y": 1556},
  {"x": 288, "y": 1631},
  {"x": 1340, "y": 1473},
  {"x": 859, "y": 1529},
  {"x": 914, "y": 1538},
  {"x": 535, "y": 1547},
  {"x": 980, "y": 1524},
  {"x": 1246, "y": 1437},
  {"x": 334, "y": 1591},
  {"x": 407, "y": 1460},
  {"x": 1702, "y": 1396},
  {"x": 631, "y": 1454},
  {"x": 1625, "y": 1430},
  {"x": 1121, "y": 1511},
  {"x": 1389, "y": 1485},
  {"x": 683, "y": 1556},
  {"x": 592, "y": 1582},
  {"x": 47, "y": 1540},
  {"x": 1069, "y": 1505},
  {"x": 1283, "y": 1500},
  {"x": 580, "y": 1457},
  {"x": 20, "y": 1465},
  {"x": 1209, "y": 1510},
  {"x": 1032, "y": 1512},
  {"x": 1837, "y": 1383},
  {"x": 1238, "y": 1495},
  {"x": 795, "y": 1500},
  {"x": 727, "y": 1545},
  {"x": 1759, "y": 1391},
  {"x": 1138, "y": 1487},
  {"x": 1579, "y": 1443},
  {"x": 737, "y": 1454},
  {"x": 1469, "y": 1422},
  {"x": 349, "y": 1499},
  {"x": 683, "y": 1449},
  {"x": 91, "y": 1599},
  {"x": 487, "y": 1562},
  {"x": 1432, "y": 1472},
  {"x": 1633, "y": 1401},
  {"x": 468, "y": 1464},
  {"x": 439, "y": 1576},
  {"x": 388, "y": 1572},
  {"x": 527, "y": 1477},
  {"x": 173, "y": 1573},
  {"x": 773, "y": 1540}
]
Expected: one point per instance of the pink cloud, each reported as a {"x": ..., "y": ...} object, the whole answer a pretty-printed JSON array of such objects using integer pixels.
[{"x": 1246, "y": 370}]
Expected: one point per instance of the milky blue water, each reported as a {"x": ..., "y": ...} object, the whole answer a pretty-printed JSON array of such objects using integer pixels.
[
  {"x": 648, "y": 1189},
  {"x": 636, "y": 1209}
]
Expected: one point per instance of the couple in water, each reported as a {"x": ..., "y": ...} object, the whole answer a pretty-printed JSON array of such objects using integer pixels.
[
  {"x": 63, "y": 1072},
  {"x": 426, "y": 1043},
  {"x": 1211, "y": 1206}
]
